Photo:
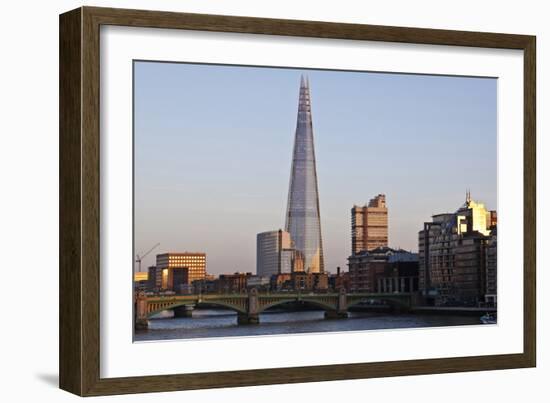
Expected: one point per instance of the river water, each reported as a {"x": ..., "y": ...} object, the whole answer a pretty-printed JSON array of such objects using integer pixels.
[{"x": 223, "y": 323}]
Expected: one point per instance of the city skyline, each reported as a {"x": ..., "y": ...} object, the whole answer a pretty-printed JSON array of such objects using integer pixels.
[{"x": 166, "y": 210}]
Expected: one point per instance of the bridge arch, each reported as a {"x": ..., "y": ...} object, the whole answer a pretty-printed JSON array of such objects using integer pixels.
[
  {"x": 321, "y": 304},
  {"x": 222, "y": 304},
  {"x": 394, "y": 302},
  {"x": 275, "y": 303}
]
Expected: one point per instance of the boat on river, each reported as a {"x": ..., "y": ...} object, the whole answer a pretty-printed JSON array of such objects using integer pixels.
[{"x": 489, "y": 319}]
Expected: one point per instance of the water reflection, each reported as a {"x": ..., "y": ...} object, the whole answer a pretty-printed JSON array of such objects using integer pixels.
[{"x": 223, "y": 323}]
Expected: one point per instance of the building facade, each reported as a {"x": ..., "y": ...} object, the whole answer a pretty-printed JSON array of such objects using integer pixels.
[
  {"x": 192, "y": 263},
  {"x": 453, "y": 256},
  {"x": 261, "y": 283},
  {"x": 141, "y": 281},
  {"x": 340, "y": 280},
  {"x": 274, "y": 253},
  {"x": 384, "y": 269},
  {"x": 234, "y": 283},
  {"x": 491, "y": 271},
  {"x": 369, "y": 225},
  {"x": 303, "y": 281},
  {"x": 153, "y": 278},
  {"x": 303, "y": 220},
  {"x": 206, "y": 286},
  {"x": 281, "y": 281}
]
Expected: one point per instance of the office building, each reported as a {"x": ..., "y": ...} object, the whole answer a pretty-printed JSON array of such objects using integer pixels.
[
  {"x": 303, "y": 220},
  {"x": 194, "y": 264},
  {"x": 274, "y": 253},
  {"x": 369, "y": 225}
]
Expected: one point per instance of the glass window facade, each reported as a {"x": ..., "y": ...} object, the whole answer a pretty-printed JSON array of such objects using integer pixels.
[
  {"x": 273, "y": 253},
  {"x": 303, "y": 216},
  {"x": 194, "y": 262}
]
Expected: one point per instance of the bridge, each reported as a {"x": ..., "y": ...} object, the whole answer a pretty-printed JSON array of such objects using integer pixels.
[{"x": 249, "y": 305}]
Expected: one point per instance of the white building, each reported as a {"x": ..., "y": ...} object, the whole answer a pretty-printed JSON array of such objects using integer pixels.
[{"x": 274, "y": 253}]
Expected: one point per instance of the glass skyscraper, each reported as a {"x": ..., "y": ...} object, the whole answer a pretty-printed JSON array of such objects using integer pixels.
[
  {"x": 273, "y": 253},
  {"x": 303, "y": 218}
]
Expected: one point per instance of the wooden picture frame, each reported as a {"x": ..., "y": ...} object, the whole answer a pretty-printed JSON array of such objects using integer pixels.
[{"x": 79, "y": 346}]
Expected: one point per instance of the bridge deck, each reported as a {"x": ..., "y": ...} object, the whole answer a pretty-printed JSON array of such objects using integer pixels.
[{"x": 283, "y": 295}]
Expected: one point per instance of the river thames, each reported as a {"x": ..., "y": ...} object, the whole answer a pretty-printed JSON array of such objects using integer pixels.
[{"x": 207, "y": 323}]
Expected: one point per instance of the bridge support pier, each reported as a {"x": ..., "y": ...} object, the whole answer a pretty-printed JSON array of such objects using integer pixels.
[
  {"x": 141, "y": 324},
  {"x": 336, "y": 314},
  {"x": 341, "y": 307},
  {"x": 252, "y": 315},
  {"x": 248, "y": 319},
  {"x": 140, "y": 312},
  {"x": 184, "y": 311}
]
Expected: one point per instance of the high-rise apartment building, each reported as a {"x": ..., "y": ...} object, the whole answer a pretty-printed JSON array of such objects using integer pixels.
[
  {"x": 194, "y": 264},
  {"x": 303, "y": 220},
  {"x": 274, "y": 253},
  {"x": 369, "y": 225},
  {"x": 453, "y": 255}
]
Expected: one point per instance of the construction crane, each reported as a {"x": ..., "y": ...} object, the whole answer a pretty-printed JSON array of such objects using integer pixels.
[{"x": 139, "y": 258}]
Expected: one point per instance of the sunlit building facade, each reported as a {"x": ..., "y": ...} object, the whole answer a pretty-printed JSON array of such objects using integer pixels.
[
  {"x": 141, "y": 276},
  {"x": 369, "y": 225},
  {"x": 141, "y": 280},
  {"x": 453, "y": 255},
  {"x": 192, "y": 263},
  {"x": 303, "y": 220}
]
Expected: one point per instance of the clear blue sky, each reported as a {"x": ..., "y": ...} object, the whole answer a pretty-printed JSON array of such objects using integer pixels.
[{"x": 213, "y": 149}]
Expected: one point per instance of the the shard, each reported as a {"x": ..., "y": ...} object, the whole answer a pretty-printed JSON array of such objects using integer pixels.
[{"x": 303, "y": 220}]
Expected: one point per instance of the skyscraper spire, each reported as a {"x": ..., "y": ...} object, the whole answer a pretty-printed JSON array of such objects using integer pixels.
[
  {"x": 303, "y": 216},
  {"x": 303, "y": 83}
]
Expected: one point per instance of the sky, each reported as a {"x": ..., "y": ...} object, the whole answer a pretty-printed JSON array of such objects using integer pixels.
[{"x": 213, "y": 150}]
